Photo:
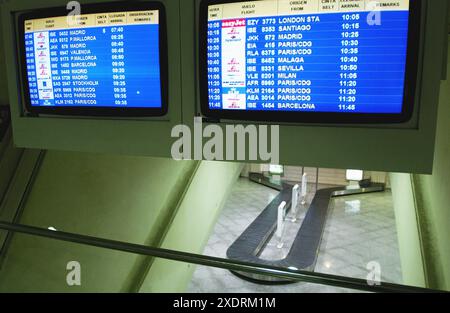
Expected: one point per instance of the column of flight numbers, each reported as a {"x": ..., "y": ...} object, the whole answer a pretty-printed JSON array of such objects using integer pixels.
[
  {"x": 214, "y": 65},
  {"x": 118, "y": 66}
]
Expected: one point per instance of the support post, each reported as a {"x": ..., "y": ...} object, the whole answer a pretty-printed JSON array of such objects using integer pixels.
[
  {"x": 280, "y": 224},
  {"x": 294, "y": 202},
  {"x": 304, "y": 190}
]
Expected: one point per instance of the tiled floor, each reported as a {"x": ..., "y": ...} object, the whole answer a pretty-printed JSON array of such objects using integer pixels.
[{"x": 360, "y": 229}]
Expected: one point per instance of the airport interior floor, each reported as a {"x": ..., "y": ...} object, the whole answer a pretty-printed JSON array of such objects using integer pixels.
[{"x": 359, "y": 229}]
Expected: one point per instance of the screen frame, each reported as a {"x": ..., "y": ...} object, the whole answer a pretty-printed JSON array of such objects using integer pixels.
[
  {"x": 409, "y": 97},
  {"x": 96, "y": 110}
]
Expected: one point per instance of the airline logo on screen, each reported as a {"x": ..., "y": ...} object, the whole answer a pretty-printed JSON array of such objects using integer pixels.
[
  {"x": 317, "y": 56},
  {"x": 43, "y": 67},
  {"x": 233, "y": 71}
]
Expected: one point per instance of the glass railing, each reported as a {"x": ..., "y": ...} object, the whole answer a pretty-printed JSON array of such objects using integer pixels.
[{"x": 331, "y": 282}]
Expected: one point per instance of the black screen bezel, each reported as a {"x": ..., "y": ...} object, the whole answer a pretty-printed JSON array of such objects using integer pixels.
[
  {"x": 412, "y": 60},
  {"x": 99, "y": 111}
]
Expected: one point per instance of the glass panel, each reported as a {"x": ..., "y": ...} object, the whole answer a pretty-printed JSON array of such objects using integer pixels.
[
  {"x": 338, "y": 229},
  {"x": 358, "y": 237}
]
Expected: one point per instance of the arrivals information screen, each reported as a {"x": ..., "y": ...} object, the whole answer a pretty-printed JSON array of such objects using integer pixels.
[
  {"x": 329, "y": 56},
  {"x": 97, "y": 62}
]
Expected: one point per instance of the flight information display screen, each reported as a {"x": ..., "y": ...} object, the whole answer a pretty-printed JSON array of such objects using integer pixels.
[
  {"x": 282, "y": 58},
  {"x": 101, "y": 62}
]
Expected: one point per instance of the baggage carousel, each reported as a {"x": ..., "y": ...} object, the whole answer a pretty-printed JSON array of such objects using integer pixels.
[{"x": 305, "y": 247}]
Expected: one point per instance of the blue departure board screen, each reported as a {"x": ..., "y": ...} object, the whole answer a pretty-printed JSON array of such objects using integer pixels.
[
  {"x": 313, "y": 56},
  {"x": 102, "y": 62}
]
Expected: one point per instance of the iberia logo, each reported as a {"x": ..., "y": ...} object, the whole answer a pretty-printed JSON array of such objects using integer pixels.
[{"x": 233, "y": 69}]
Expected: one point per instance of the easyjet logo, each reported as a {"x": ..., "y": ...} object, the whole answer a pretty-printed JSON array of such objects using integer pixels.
[{"x": 233, "y": 23}]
